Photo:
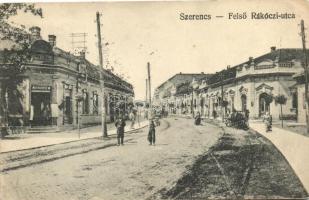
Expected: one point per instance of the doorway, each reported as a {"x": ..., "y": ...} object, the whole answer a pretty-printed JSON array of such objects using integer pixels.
[
  {"x": 40, "y": 108},
  {"x": 263, "y": 104},
  {"x": 243, "y": 102},
  {"x": 68, "y": 117}
]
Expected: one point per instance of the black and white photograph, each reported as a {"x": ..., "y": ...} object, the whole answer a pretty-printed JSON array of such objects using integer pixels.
[{"x": 151, "y": 100}]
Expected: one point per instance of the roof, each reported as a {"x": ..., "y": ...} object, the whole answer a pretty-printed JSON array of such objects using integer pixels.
[
  {"x": 225, "y": 74},
  {"x": 43, "y": 47},
  {"x": 282, "y": 55},
  {"x": 183, "y": 88},
  {"x": 184, "y": 77}
]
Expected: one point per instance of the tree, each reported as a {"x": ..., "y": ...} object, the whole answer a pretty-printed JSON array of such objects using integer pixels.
[
  {"x": 14, "y": 58},
  {"x": 268, "y": 98},
  {"x": 281, "y": 99}
]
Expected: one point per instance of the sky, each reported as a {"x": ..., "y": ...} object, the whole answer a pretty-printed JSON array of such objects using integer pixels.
[{"x": 135, "y": 33}]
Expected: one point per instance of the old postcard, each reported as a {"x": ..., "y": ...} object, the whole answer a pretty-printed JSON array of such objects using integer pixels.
[{"x": 154, "y": 100}]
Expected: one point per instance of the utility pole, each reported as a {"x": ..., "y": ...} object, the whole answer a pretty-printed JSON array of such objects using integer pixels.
[
  {"x": 192, "y": 101},
  {"x": 149, "y": 91},
  {"x": 78, "y": 42},
  {"x": 149, "y": 83},
  {"x": 103, "y": 114},
  {"x": 305, "y": 65},
  {"x": 146, "y": 99}
]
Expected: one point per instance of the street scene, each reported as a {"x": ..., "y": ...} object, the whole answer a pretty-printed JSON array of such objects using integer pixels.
[
  {"x": 154, "y": 100},
  {"x": 210, "y": 162}
]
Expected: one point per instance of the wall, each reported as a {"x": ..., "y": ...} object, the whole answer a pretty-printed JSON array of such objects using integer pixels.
[{"x": 301, "y": 117}]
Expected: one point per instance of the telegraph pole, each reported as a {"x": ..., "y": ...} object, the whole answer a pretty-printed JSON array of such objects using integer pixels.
[
  {"x": 149, "y": 84},
  {"x": 103, "y": 114},
  {"x": 146, "y": 99},
  {"x": 150, "y": 114},
  {"x": 305, "y": 65}
]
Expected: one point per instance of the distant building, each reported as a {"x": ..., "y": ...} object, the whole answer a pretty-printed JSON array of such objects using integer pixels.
[
  {"x": 60, "y": 90},
  {"x": 246, "y": 86},
  {"x": 176, "y": 92},
  {"x": 249, "y": 85}
]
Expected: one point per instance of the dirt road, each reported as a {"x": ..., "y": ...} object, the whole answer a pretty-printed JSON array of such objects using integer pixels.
[
  {"x": 242, "y": 165},
  {"x": 91, "y": 170}
]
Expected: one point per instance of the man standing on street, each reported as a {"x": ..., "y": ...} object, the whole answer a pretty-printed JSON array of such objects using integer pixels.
[
  {"x": 132, "y": 118},
  {"x": 120, "y": 124},
  {"x": 152, "y": 133}
]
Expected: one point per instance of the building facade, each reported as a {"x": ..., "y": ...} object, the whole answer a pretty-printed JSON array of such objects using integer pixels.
[
  {"x": 175, "y": 95},
  {"x": 61, "y": 90},
  {"x": 250, "y": 86},
  {"x": 301, "y": 99}
]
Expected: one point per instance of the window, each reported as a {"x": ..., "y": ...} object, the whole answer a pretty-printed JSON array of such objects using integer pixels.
[
  {"x": 294, "y": 100},
  {"x": 257, "y": 67},
  {"x": 287, "y": 64},
  {"x": 95, "y": 104},
  {"x": 85, "y": 102}
]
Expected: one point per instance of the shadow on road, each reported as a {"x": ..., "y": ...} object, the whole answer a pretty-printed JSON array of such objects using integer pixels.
[{"x": 242, "y": 165}]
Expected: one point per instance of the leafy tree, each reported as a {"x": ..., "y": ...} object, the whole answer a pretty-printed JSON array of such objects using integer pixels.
[
  {"x": 13, "y": 58},
  {"x": 281, "y": 99},
  {"x": 268, "y": 98}
]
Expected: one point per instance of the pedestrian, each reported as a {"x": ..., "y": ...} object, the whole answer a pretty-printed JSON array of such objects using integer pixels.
[
  {"x": 247, "y": 114},
  {"x": 197, "y": 119},
  {"x": 132, "y": 119},
  {"x": 268, "y": 121},
  {"x": 120, "y": 124},
  {"x": 214, "y": 114},
  {"x": 152, "y": 133}
]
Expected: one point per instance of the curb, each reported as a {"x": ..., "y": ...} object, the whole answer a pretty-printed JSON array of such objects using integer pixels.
[
  {"x": 282, "y": 154},
  {"x": 128, "y": 131}
]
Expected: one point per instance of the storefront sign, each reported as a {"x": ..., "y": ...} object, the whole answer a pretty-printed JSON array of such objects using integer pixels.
[{"x": 40, "y": 88}]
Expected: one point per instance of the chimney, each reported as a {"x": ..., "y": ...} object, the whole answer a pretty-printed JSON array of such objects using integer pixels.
[
  {"x": 52, "y": 40},
  {"x": 35, "y": 33},
  {"x": 250, "y": 59},
  {"x": 272, "y": 49},
  {"x": 82, "y": 55}
]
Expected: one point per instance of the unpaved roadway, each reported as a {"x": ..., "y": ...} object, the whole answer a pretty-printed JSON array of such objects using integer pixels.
[
  {"x": 188, "y": 162},
  {"x": 133, "y": 171}
]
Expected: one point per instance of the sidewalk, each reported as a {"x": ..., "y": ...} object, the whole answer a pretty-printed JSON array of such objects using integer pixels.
[
  {"x": 28, "y": 141},
  {"x": 293, "y": 146}
]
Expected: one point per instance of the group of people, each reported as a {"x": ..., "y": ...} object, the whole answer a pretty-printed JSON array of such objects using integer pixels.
[
  {"x": 120, "y": 125},
  {"x": 267, "y": 118}
]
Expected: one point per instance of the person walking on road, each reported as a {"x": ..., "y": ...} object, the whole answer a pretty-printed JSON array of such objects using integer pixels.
[
  {"x": 120, "y": 124},
  {"x": 132, "y": 118},
  {"x": 197, "y": 119},
  {"x": 268, "y": 121},
  {"x": 152, "y": 133}
]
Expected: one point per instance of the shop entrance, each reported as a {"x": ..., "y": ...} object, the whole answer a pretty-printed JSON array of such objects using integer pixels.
[
  {"x": 40, "y": 109},
  {"x": 264, "y": 104}
]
